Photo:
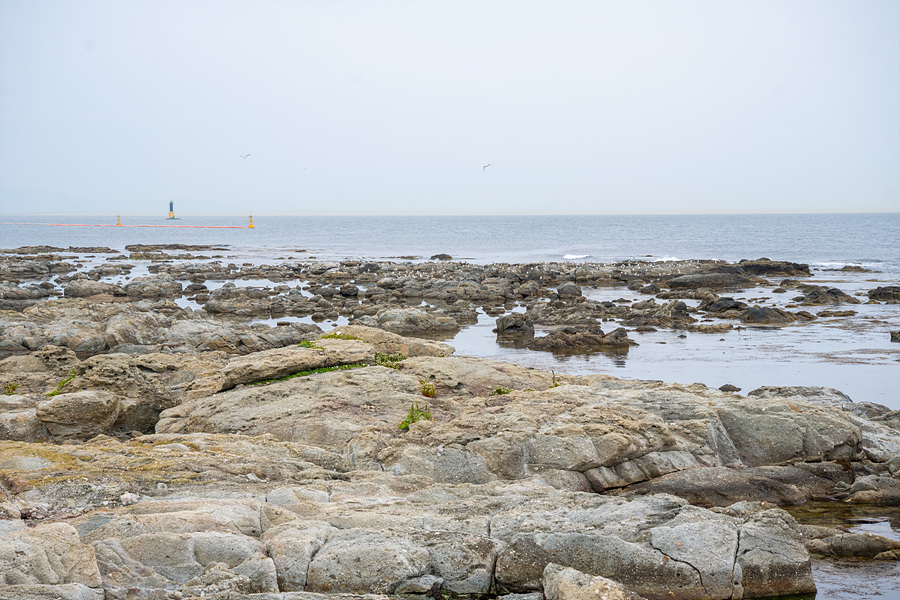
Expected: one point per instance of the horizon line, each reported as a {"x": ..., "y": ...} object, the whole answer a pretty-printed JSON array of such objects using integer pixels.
[{"x": 523, "y": 214}]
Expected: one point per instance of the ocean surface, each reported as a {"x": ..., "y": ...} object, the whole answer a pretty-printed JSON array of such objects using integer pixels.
[
  {"x": 854, "y": 354},
  {"x": 825, "y": 240}
]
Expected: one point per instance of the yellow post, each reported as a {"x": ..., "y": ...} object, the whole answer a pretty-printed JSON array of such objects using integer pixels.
[{"x": 251, "y": 223}]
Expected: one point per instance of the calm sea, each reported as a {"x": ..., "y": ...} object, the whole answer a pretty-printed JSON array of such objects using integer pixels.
[
  {"x": 854, "y": 355},
  {"x": 828, "y": 239}
]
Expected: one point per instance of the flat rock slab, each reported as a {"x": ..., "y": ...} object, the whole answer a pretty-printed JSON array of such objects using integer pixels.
[{"x": 377, "y": 532}]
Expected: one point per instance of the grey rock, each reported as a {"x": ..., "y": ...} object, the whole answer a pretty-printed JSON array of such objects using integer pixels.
[
  {"x": 79, "y": 415},
  {"x": 66, "y": 591},
  {"x": 563, "y": 583},
  {"x": 50, "y": 553},
  {"x": 515, "y": 326}
]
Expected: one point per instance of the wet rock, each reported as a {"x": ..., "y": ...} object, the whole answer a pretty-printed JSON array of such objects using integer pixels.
[
  {"x": 824, "y": 295},
  {"x": 14, "y": 297},
  {"x": 569, "y": 291},
  {"x": 857, "y": 545},
  {"x": 715, "y": 304},
  {"x": 890, "y": 293},
  {"x": 441, "y": 257},
  {"x": 564, "y": 313},
  {"x": 729, "y": 388},
  {"x": 875, "y": 489},
  {"x": 581, "y": 338},
  {"x": 771, "y": 557},
  {"x": 767, "y": 316},
  {"x": 895, "y": 336},
  {"x": 515, "y": 326},
  {"x": 649, "y": 314},
  {"x": 771, "y": 268}
]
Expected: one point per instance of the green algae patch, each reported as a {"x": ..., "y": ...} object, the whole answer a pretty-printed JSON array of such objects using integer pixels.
[
  {"x": 311, "y": 372},
  {"x": 340, "y": 336}
]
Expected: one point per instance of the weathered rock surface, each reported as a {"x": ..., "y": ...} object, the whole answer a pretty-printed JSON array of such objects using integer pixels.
[
  {"x": 89, "y": 327},
  {"x": 564, "y": 583},
  {"x": 307, "y": 528},
  {"x": 308, "y": 486},
  {"x": 416, "y": 322},
  {"x": 515, "y": 326}
]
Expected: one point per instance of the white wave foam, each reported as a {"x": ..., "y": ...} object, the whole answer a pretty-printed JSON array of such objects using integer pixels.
[
  {"x": 574, "y": 256},
  {"x": 666, "y": 259}
]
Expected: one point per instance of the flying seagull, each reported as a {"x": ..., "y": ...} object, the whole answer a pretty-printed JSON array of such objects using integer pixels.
[
  {"x": 485, "y": 166},
  {"x": 244, "y": 156}
]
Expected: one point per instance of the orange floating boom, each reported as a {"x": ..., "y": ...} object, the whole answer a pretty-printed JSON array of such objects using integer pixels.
[{"x": 120, "y": 225}]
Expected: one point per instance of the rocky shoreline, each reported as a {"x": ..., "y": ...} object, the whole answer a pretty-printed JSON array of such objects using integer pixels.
[{"x": 157, "y": 443}]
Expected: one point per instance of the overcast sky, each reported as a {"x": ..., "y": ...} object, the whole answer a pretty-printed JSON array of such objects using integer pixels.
[{"x": 383, "y": 107}]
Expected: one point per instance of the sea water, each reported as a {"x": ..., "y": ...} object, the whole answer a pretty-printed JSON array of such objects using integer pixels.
[
  {"x": 868, "y": 240},
  {"x": 853, "y": 354}
]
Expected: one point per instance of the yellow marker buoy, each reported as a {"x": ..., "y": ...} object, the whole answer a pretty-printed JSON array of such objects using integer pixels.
[
  {"x": 250, "y": 226},
  {"x": 118, "y": 221}
]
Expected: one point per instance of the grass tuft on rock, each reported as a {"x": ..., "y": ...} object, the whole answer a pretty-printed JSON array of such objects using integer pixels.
[
  {"x": 340, "y": 336},
  {"x": 414, "y": 415},
  {"x": 59, "y": 387}
]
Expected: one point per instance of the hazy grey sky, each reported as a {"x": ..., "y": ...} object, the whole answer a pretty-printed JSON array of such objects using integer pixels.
[{"x": 395, "y": 107}]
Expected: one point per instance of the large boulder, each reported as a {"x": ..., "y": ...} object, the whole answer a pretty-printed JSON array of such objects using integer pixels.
[
  {"x": 281, "y": 362},
  {"x": 79, "y": 415},
  {"x": 569, "y": 291},
  {"x": 50, "y": 553},
  {"x": 817, "y": 294},
  {"x": 516, "y": 326},
  {"x": 888, "y": 293},
  {"x": 564, "y": 583},
  {"x": 154, "y": 286}
]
